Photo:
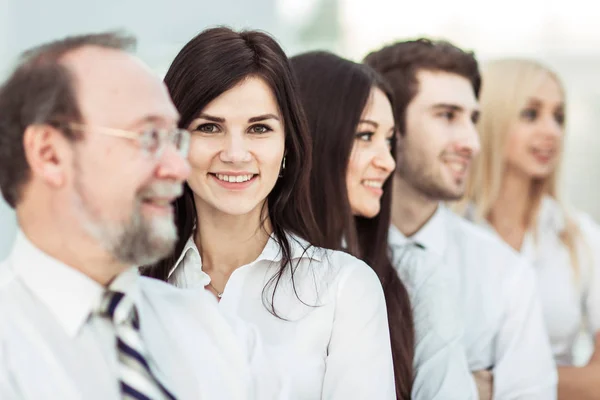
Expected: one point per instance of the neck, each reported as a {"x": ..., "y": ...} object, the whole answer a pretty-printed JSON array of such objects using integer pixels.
[
  {"x": 41, "y": 224},
  {"x": 227, "y": 242},
  {"x": 410, "y": 208},
  {"x": 513, "y": 205}
]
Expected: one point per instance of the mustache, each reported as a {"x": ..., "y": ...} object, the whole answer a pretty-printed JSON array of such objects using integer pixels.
[{"x": 161, "y": 189}]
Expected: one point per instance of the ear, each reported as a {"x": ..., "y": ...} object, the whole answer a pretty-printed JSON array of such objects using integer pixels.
[{"x": 48, "y": 153}]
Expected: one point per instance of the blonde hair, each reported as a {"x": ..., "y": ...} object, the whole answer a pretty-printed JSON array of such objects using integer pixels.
[{"x": 507, "y": 86}]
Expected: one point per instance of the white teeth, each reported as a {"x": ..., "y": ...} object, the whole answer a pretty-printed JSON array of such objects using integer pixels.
[
  {"x": 234, "y": 178},
  {"x": 457, "y": 167},
  {"x": 373, "y": 184}
]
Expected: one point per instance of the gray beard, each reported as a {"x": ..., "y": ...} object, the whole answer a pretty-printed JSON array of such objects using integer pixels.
[{"x": 137, "y": 242}]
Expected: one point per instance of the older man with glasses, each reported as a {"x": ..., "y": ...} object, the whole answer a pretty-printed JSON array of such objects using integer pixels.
[{"x": 91, "y": 159}]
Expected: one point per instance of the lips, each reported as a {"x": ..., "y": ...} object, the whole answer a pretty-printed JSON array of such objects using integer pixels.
[
  {"x": 457, "y": 164},
  {"x": 547, "y": 152},
  {"x": 374, "y": 186}
]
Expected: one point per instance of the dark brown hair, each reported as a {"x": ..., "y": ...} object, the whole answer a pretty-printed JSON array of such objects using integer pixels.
[
  {"x": 335, "y": 92},
  {"x": 400, "y": 62},
  {"x": 212, "y": 63},
  {"x": 41, "y": 91}
]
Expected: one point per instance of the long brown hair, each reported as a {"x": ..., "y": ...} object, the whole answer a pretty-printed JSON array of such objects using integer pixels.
[
  {"x": 210, "y": 64},
  {"x": 335, "y": 92}
]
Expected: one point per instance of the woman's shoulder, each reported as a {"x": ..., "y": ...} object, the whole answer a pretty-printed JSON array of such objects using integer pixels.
[
  {"x": 555, "y": 215},
  {"x": 333, "y": 267}
]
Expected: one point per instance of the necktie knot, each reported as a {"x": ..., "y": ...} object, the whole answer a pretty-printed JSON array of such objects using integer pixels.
[{"x": 119, "y": 308}]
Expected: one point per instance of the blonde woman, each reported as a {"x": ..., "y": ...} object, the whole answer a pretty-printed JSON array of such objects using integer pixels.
[{"x": 513, "y": 190}]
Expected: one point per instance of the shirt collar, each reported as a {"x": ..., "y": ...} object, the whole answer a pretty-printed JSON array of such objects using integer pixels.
[
  {"x": 433, "y": 235},
  {"x": 396, "y": 238},
  {"x": 299, "y": 248},
  {"x": 70, "y": 295}
]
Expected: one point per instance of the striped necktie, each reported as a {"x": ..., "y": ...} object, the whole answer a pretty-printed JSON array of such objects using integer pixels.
[{"x": 135, "y": 377}]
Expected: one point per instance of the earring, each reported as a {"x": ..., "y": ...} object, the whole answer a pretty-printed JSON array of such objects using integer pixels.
[{"x": 282, "y": 168}]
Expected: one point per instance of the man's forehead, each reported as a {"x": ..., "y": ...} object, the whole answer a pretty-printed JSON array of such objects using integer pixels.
[
  {"x": 439, "y": 87},
  {"x": 109, "y": 81}
]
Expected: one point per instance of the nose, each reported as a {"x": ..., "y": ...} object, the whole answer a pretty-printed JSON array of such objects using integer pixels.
[
  {"x": 173, "y": 165},
  {"x": 552, "y": 129},
  {"x": 384, "y": 159},
  {"x": 468, "y": 140},
  {"x": 236, "y": 149}
]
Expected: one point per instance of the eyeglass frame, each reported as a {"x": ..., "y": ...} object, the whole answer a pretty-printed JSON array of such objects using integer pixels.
[{"x": 143, "y": 139}]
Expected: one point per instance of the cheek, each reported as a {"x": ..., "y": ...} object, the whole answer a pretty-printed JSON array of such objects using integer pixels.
[
  {"x": 428, "y": 139},
  {"x": 516, "y": 146},
  {"x": 200, "y": 154},
  {"x": 96, "y": 188},
  {"x": 200, "y": 157},
  {"x": 356, "y": 167},
  {"x": 269, "y": 154}
]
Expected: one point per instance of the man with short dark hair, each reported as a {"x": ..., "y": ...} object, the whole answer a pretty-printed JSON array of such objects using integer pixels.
[
  {"x": 436, "y": 87},
  {"x": 91, "y": 159}
]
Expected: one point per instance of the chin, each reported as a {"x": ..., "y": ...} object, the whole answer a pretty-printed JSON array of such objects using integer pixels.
[
  {"x": 541, "y": 173},
  {"x": 235, "y": 208},
  {"x": 453, "y": 193},
  {"x": 369, "y": 212}
]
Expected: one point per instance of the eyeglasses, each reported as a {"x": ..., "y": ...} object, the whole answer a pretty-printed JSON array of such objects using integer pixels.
[{"x": 153, "y": 141}]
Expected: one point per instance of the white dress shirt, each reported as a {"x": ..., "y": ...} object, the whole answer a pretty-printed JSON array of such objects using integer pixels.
[
  {"x": 569, "y": 298},
  {"x": 53, "y": 346},
  {"x": 332, "y": 338},
  {"x": 441, "y": 368},
  {"x": 504, "y": 327}
]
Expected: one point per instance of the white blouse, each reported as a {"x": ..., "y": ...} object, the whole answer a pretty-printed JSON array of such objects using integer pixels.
[
  {"x": 441, "y": 368},
  {"x": 332, "y": 335},
  {"x": 570, "y": 298}
]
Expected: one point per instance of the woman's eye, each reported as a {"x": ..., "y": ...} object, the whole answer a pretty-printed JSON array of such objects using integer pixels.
[
  {"x": 364, "y": 136},
  {"x": 529, "y": 114},
  {"x": 207, "y": 128},
  {"x": 260, "y": 129}
]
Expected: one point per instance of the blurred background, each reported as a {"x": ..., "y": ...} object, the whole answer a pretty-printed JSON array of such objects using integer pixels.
[{"x": 563, "y": 34}]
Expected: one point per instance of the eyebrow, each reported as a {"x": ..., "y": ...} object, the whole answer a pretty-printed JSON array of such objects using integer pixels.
[
  {"x": 374, "y": 124},
  {"x": 447, "y": 106},
  {"x": 370, "y": 122},
  {"x": 263, "y": 118},
  {"x": 211, "y": 118},
  {"x": 250, "y": 120},
  {"x": 454, "y": 107},
  {"x": 534, "y": 102}
]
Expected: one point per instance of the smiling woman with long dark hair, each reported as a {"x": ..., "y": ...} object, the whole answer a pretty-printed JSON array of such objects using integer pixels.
[
  {"x": 350, "y": 112},
  {"x": 247, "y": 229}
]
